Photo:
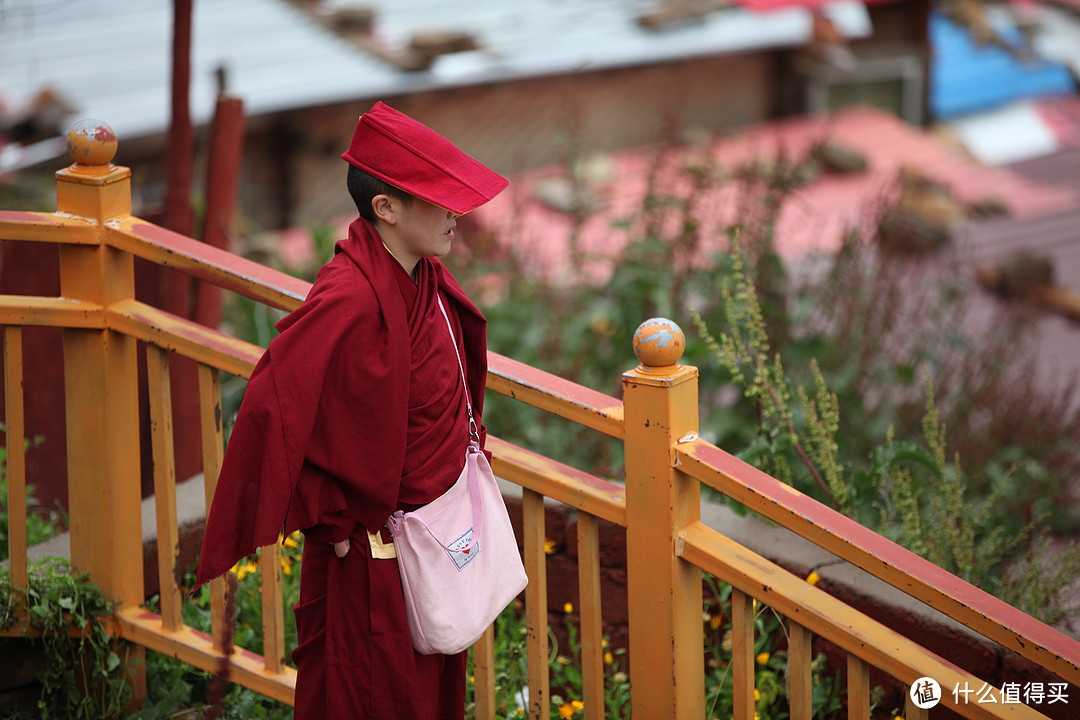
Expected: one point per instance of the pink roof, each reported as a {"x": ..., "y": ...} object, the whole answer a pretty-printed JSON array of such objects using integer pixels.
[{"x": 813, "y": 219}]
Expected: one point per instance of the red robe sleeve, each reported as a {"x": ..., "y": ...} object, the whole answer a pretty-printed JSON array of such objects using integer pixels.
[{"x": 323, "y": 425}]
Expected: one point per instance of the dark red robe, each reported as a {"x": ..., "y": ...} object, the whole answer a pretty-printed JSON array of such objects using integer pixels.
[{"x": 355, "y": 410}]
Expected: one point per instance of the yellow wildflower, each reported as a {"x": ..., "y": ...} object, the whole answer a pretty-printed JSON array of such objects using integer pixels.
[
  {"x": 566, "y": 711},
  {"x": 762, "y": 658},
  {"x": 757, "y": 695},
  {"x": 608, "y": 658},
  {"x": 813, "y": 577},
  {"x": 286, "y": 566},
  {"x": 715, "y": 621},
  {"x": 290, "y": 542},
  {"x": 578, "y": 705},
  {"x": 243, "y": 569},
  {"x": 549, "y": 547},
  {"x": 568, "y": 608},
  {"x": 562, "y": 660}
]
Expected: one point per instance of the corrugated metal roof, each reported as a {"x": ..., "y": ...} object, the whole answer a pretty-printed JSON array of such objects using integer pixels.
[
  {"x": 968, "y": 77},
  {"x": 111, "y": 58}
]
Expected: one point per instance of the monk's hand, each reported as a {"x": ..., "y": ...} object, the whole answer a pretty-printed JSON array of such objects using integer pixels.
[{"x": 341, "y": 549}]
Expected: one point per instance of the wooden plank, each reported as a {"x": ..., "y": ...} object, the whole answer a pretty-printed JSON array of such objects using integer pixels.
[
  {"x": 206, "y": 262},
  {"x": 213, "y": 450},
  {"x": 882, "y": 558},
  {"x": 483, "y": 651},
  {"x": 190, "y": 646},
  {"x": 161, "y": 434},
  {"x": 589, "y": 605},
  {"x": 742, "y": 655},
  {"x": 831, "y": 619},
  {"x": 858, "y": 688},
  {"x": 913, "y": 711},
  {"x": 50, "y": 312},
  {"x": 273, "y": 608},
  {"x": 14, "y": 414},
  {"x": 665, "y": 594},
  {"x": 554, "y": 394},
  {"x": 800, "y": 671},
  {"x": 536, "y": 610},
  {"x": 47, "y": 227},
  {"x": 558, "y": 481},
  {"x": 184, "y": 337}
]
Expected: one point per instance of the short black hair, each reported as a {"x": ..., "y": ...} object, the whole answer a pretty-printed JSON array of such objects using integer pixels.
[{"x": 364, "y": 186}]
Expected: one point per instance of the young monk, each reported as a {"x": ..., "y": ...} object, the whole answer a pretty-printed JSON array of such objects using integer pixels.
[{"x": 356, "y": 410}]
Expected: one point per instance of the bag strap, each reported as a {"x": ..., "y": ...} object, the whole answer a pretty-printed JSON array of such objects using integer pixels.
[
  {"x": 470, "y": 456},
  {"x": 474, "y": 433}
]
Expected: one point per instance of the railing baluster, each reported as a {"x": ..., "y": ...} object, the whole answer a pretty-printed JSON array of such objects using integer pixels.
[
  {"x": 536, "y": 620},
  {"x": 212, "y": 450},
  {"x": 742, "y": 654},
  {"x": 913, "y": 711},
  {"x": 168, "y": 539},
  {"x": 484, "y": 675},
  {"x": 800, "y": 676},
  {"x": 273, "y": 610},
  {"x": 858, "y": 688},
  {"x": 14, "y": 410},
  {"x": 589, "y": 601}
]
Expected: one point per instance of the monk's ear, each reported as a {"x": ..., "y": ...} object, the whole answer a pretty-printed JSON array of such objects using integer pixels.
[{"x": 384, "y": 209}]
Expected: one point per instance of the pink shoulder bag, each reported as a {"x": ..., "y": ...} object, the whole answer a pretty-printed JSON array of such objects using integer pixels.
[{"x": 457, "y": 555}]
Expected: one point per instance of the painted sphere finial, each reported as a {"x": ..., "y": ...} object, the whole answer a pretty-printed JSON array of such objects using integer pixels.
[
  {"x": 91, "y": 142},
  {"x": 659, "y": 342}
]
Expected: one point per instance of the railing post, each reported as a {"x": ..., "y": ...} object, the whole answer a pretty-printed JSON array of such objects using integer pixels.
[
  {"x": 660, "y": 399},
  {"x": 101, "y": 382}
]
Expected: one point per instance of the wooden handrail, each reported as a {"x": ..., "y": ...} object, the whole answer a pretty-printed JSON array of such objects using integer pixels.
[
  {"x": 815, "y": 609},
  {"x": 206, "y": 262},
  {"x": 882, "y": 558}
]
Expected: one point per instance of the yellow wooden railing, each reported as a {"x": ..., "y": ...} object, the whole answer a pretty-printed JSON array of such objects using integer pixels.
[{"x": 668, "y": 547}]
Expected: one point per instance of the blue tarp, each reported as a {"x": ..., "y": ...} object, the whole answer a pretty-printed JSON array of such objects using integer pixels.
[{"x": 967, "y": 77}]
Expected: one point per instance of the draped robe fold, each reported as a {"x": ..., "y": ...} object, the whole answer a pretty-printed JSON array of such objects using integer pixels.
[{"x": 355, "y": 410}]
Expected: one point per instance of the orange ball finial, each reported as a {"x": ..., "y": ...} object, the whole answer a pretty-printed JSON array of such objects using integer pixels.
[
  {"x": 91, "y": 142},
  {"x": 659, "y": 342}
]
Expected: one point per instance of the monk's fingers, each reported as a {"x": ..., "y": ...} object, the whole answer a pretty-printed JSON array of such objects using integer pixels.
[{"x": 341, "y": 549}]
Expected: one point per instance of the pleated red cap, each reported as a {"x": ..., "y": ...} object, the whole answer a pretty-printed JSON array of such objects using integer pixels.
[{"x": 411, "y": 156}]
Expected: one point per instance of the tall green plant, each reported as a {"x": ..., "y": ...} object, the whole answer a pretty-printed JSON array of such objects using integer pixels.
[
  {"x": 906, "y": 491},
  {"x": 86, "y": 673}
]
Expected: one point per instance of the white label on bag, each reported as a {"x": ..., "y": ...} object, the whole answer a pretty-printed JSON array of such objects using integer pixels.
[{"x": 462, "y": 557}]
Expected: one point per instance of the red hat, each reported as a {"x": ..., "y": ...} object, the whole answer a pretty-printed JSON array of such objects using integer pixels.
[{"x": 412, "y": 157}]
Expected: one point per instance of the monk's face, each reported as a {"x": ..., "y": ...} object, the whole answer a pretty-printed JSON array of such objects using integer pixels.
[{"x": 417, "y": 230}]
